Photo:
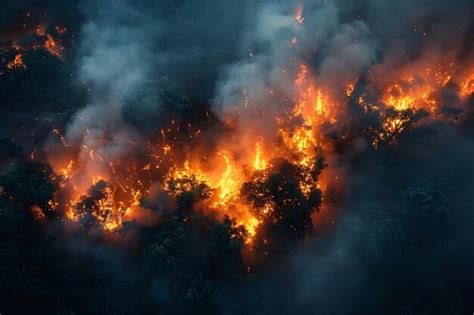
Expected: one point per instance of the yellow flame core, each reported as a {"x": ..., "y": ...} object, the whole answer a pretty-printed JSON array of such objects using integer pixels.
[
  {"x": 259, "y": 163},
  {"x": 226, "y": 169}
]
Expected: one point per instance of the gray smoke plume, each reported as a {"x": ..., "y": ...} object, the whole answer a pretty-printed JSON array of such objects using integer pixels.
[
  {"x": 279, "y": 43},
  {"x": 114, "y": 59}
]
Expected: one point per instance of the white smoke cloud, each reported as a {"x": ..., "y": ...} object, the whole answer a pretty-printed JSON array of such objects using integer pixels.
[
  {"x": 114, "y": 58},
  {"x": 115, "y": 49},
  {"x": 337, "y": 52}
]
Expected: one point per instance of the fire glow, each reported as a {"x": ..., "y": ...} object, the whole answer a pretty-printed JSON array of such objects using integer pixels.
[
  {"x": 41, "y": 39},
  {"x": 223, "y": 172},
  {"x": 117, "y": 186}
]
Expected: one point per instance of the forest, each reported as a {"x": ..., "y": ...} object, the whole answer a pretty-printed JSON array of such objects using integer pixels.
[{"x": 236, "y": 157}]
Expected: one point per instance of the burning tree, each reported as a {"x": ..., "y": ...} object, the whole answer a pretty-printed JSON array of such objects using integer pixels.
[{"x": 284, "y": 198}]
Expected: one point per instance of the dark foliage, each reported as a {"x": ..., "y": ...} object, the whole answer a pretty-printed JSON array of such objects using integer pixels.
[
  {"x": 403, "y": 243},
  {"x": 29, "y": 184},
  {"x": 281, "y": 189}
]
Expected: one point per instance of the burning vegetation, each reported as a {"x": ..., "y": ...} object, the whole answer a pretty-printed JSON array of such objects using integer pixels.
[
  {"x": 35, "y": 36},
  {"x": 258, "y": 178},
  {"x": 245, "y": 173},
  {"x": 246, "y": 170}
]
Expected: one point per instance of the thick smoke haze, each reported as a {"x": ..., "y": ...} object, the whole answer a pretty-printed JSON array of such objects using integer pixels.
[
  {"x": 389, "y": 250},
  {"x": 393, "y": 234}
]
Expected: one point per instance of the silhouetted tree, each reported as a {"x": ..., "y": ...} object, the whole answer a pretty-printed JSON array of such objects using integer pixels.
[
  {"x": 29, "y": 184},
  {"x": 288, "y": 221}
]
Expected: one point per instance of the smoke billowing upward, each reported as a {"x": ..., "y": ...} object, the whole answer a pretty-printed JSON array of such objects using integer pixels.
[{"x": 190, "y": 156}]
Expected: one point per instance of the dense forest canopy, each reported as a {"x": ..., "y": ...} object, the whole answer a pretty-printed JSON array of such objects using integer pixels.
[{"x": 201, "y": 157}]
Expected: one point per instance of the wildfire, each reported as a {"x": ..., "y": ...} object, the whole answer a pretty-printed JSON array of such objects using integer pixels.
[
  {"x": 467, "y": 86},
  {"x": 409, "y": 95},
  {"x": 16, "y": 63},
  {"x": 299, "y": 14},
  {"x": 312, "y": 109},
  {"x": 227, "y": 185},
  {"x": 225, "y": 179},
  {"x": 414, "y": 92},
  {"x": 259, "y": 163},
  {"x": 418, "y": 85},
  {"x": 184, "y": 179},
  {"x": 53, "y": 47},
  {"x": 37, "y": 213},
  {"x": 349, "y": 89},
  {"x": 44, "y": 37},
  {"x": 109, "y": 189}
]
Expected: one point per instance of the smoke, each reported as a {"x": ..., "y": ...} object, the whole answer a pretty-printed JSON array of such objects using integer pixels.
[
  {"x": 402, "y": 243},
  {"x": 404, "y": 238},
  {"x": 113, "y": 59},
  {"x": 350, "y": 52},
  {"x": 114, "y": 49},
  {"x": 126, "y": 45},
  {"x": 279, "y": 39}
]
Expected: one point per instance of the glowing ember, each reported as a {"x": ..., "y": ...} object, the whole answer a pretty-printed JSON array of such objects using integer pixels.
[
  {"x": 50, "y": 42},
  {"x": 53, "y": 47},
  {"x": 37, "y": 212},
  {"x": 298, "y": 14},
  {"x": 108, "y": 189},
  {"x": 467, "y": 86},
  {"x": 350, "y": 89},
  {"x": 16, "y": 63}
]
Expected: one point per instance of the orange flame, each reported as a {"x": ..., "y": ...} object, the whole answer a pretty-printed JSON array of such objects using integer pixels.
[
  {"x": 298, "y": 14},
  {"x": 16, "y": 63},
  {"x": 53, "y": 47}
]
